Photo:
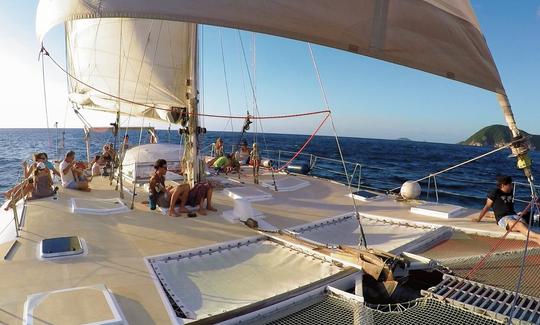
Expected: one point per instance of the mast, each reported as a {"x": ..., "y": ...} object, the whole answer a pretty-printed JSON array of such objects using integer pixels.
[
  {"x": 520, "y": 148},
  {"x": 192, "y": 160}
]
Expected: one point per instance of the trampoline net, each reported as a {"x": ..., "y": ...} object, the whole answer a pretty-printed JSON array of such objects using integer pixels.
[{"x": 335, "y": 309}]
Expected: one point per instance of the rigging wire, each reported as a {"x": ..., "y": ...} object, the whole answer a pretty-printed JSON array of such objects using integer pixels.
[
  {"x": 522, "y": 265},
  {"x": 242, "y": 75},
  {"x": 241, "y": 117},
  {"x": 226, "y": 80},
  {"x": 325, "y": 98},
  {"x": 201, "y": 73},
  {"x": 45, "y": 96},
  {"x": 255, "y": 104}
]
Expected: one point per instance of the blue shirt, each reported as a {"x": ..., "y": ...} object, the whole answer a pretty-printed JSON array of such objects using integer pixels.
[{"x": 49, "y": 165}]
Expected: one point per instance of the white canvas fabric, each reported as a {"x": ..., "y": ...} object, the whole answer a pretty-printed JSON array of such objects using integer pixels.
[
  {"x": 144, "y": 61},
  {"x": 214, "y": 283},
  {"x": 139, "y": 161},
  {"x": 437, "y": 36}
]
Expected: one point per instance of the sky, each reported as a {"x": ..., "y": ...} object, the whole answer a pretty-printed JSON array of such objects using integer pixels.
[{"x": 369, "y": 98}]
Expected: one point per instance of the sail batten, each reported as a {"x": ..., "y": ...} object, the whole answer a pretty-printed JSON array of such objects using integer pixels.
[{"x": 441, "y": 37}]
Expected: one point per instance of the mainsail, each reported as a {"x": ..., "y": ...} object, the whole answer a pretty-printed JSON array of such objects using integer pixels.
[
  {"x": 147, "y": 62},
  {"x": 437, "y": 36}
]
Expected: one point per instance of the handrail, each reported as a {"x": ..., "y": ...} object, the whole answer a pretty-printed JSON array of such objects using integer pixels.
[
  {"x": 317, "y": 163},
  {"x": 12, "y": 204}
]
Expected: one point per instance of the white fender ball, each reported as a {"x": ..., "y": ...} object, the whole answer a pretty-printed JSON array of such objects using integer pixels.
[{"x": 410, "y": 190}]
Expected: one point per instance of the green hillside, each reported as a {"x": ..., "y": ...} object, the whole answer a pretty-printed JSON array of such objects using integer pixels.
[{"x": 496, "y": 136}]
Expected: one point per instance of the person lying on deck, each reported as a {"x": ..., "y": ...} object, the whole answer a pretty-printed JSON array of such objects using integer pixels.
[
  {"x": 501, "y": 200},
  {"x": 168, "y": 197},
  {"x": 226, "y": 164},
  {"x": 72, "y": 177}
]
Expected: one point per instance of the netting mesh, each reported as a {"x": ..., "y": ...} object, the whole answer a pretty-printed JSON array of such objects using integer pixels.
[
  {"x": 490, "y": 260},
  {"x": 333, "y": 309},
  {"x": 328, "y": 311},
  {"x": 425, "y": 310},
  {"x": 502, "y": 270}
]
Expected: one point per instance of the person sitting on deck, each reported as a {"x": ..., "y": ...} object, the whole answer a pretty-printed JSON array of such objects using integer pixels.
[
  {"x": 49, "y": 164},
  {"x": 501, "y": 200},
  {"x": 168, "y": 197},
  {"x": 218, "y": 151},
  {"x": 97, "y": 165},
  {"x": 37, "y": 184},
  {"x": 43, "y": 183},
  {"x": 108, "y": 153},
  {"x": 243, "y": 154},
  {"x": 72, "y": 177}
]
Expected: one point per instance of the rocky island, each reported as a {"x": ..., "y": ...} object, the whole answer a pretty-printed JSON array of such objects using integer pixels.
[{"x": 497, "y": 136}]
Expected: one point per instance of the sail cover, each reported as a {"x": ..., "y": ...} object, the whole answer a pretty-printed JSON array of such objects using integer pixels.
[
  {"x": 145, "y": 61},
  {"x": 442, "y": 37}
]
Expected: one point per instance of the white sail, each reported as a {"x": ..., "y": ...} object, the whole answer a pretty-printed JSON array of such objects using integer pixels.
[
  {"x": 142, "y": 60},
  {"x": 437, "y": 36}
]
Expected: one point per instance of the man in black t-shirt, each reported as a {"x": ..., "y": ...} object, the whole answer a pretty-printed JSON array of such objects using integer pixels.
[{"x": 501, "y": 200}]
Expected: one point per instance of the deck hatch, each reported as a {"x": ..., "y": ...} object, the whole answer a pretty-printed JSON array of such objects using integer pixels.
[
  {"x": 61, "y": 246},
  {"x": 98, "y": 206},
  {"x": 91, "y": 305}
]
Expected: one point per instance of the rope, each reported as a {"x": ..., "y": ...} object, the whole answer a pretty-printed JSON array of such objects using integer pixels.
[
  {"x": 483, "y": 260},
  {"x": 45, "y": 52},
  {"x": 305, "y": 144},
  {"x": 522, "y": 266}
]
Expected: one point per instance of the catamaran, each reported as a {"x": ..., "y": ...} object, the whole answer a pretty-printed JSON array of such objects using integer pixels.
[{"x": 284, "y": 247}]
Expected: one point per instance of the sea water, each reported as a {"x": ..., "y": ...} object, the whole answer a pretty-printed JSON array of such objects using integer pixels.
[{"x": 381, "y": 164}]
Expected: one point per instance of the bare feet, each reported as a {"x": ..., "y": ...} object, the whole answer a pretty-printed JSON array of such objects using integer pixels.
[
  {"x": 183, "y": 210},
  {"x": 211, "y": 208},
  {"x": 202, "y": 211}
]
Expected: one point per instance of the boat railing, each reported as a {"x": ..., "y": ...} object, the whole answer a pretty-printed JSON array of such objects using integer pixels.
[
  {"x": 15, "y": 197},
  {"x": 358, "y": 173}
]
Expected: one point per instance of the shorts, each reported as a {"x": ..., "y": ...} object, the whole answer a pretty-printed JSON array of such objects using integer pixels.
[
  {"x": 503, "y": 222},
  {"x": 72, "y": 185}
]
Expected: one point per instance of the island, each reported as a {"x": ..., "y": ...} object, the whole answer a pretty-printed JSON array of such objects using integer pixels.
[{"x": 497, "y": 136}]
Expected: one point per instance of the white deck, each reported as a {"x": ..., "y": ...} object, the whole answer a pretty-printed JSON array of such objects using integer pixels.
[{"x": 118, "y": 243}]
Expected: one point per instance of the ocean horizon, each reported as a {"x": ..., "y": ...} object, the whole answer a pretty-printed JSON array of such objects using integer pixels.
[{"x": 385, "y": 163}]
